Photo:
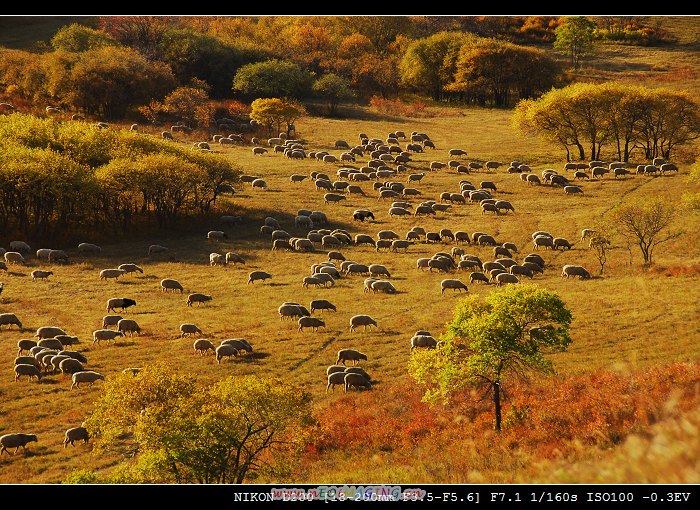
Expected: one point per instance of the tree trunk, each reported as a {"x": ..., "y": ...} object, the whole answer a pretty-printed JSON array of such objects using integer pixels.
[{"x": 497, "y": 404}]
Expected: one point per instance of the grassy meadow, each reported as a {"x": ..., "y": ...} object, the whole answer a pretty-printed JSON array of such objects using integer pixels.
[{"x": 625, "y": 323}]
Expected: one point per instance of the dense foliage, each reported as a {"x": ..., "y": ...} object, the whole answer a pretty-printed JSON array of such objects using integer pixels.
[{"x": 68, "y": 177}]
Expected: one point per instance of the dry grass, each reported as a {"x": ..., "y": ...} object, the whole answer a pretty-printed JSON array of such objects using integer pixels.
[{"x": 625, "y": 321}]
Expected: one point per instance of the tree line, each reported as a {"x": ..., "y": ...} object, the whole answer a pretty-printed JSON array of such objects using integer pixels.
[
  {"x": 587, "y": 119},
  {"x": 67, "y": 178},
  {"x": 110, "y": 66}
]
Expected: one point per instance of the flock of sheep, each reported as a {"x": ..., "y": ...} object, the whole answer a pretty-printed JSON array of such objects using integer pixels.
[{"x": 51, "y": 352}]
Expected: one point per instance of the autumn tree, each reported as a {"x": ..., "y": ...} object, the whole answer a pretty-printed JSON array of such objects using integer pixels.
[
  {"x": 188, "y": 104},
  {"x": 600, "y": 242},
  {"x": 646, "y": 224},
  {"x": 428, "y": 64},
  {"x": 276, "y": 113},
  {"x": 232, "y": 431},
  {"x": 575, "y": 37},
  {"x": 333, "y": 89},
  {"x": 109, "y": 81},
  {"x": 272, "y": 78},
  {"x": 76, "y": 37},
  {"x": 142, "y": 33},
  {"x": 590, "y": 117},
  {"x": 510, "y": 332}
]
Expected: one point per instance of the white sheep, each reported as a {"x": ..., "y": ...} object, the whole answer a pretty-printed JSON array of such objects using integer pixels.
[
  {"x": 15, "y": 441},
  {"x": 14, "y": 257},
  {"x": 21, "y": 247},
  {"x": 452, "y": 284},
  {"x": 187, "y": 329},
  {"x": 574, "y": 270},
  {"x": 105, "y": 334},
  {"x": 75, "y": 434},
  {"x": 310, "y": 322},
  {"x": 357, "y": 381},
  {"x": 234, "y": 258},
  {"x": 198, "y": 297},
  {"x": 217, "y": 259},
  {"x": 68, "y": 365},
  {"x": 167, "y": 284},
  {"x": 110, "y": 320},
  {"x": 130, "y": 268},
  {"x": 202, "y": 345},
  {"x": 362, "y": 320},
  {"x": 107, "y": 274},
  {"x": 216, "y": 235},
  {"x": 350, "y": 355},
  {"x": 86, "y": 376},
  {"x": 128, "y": 326},
  {"x": 8, "y": 319},
  {"x": 335, "y": 378},
  {"x": 88, "y": 248},
  {"x": 225, "y": 351},
  {"x": 239, "y": 343},
  {"x": 38, "y": 274},
  {"x": 258, "y": 275},
  {"x": 48, "y": 332},
  {"x": 123, "y": 303},
  {"x": 383, "y": 286},
  {"x": 30, "y": 371}
]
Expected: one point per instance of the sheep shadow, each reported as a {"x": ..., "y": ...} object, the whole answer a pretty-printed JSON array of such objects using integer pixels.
[
  {"x": 278, "y": 284},
  {"x": 253, "y": 357}
]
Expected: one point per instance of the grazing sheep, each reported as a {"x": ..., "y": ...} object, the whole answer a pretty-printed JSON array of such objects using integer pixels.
[
  {"x": 40, "y": 275},
  {"x": 239, "y": 343},
  {"x": 14, "y": 257},
  {"x": 21, "y": 247},
  {"x": 69, "y": 365},
  {"x": 130, "y": 268},
  {"x": 48, "y": 332},
  {"x": 560, "y": 242},
  {"x": 423, "y": 341},
  {"x": 8, "y": 319},
  {"x": 504, "y": 205},
  {"x": 216, "y": 235},
  {"x": 547, "y": 242},
  {"x": 105, "y": 334},
  {"x": 27, "y": 360},
  {"x": 452, "y": 284},
  {"x": 500, "y": 251},
  {"x": 337, "y": 377},
  {"x": 399, "y": 244},
  {"x": 50, "y": 343},
  {"x": 167, "y": 135},
  {"x": 573, "y": 190},
  {"x": 321, "y": 304},
  {"x": 201, "y": 346},
  {"x": 198, "y": 297},
  {"x": 522, "y": 270},
  {"x": 533, "y": 267},
  {"x": 488, "y": 207},
  {"x": 258, "y": 275},
  {"x": 107, "y": 274},
  {"x": 225, "y": 351},
  {"x": 362, "y": 215},
  {"x": 356, "y": 381},
  {"x": 217, "y": 259},
  {"x": 57, "y": 256},
  {"x": 128, "y": 326},
  {"x": 259, "y": 183},
  {"x": 25, "y": 345},
  {"x": 15, "y": 441},
  {"x": 75, "y": 434},
  {"x": 234, "y": 258},
  {"x": 75, "y": 355},
  {"x": 30, "y": 371},
  {"x": 587, "y": 232},
  {"x": 110, "y": 320},
  {"x": 310, "y": 322},
  {"x": 188, "y": 329},
  {"x": 167, "y": 284},
  {"x": 534, "y": 257},
  {"x": 362, "y": 320},
  {"x": 86, "y": 376},
  {"x": 312, "y": 280},
  {"x": 478, "y": 277},
  {"x": 332, "y": 369},
  {"x": 574, "y": 270},
  {"x": 503, "y": 278},
  {"x": 89, "y": 248},
  {"x": 350, "y": 355},
  {"x": 383, "y": 286}
]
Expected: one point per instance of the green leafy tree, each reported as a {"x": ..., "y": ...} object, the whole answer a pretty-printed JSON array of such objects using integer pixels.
[
  {"x": 233, "y": 431},
  {"x": 510, "y": 332},
  {"x": 272, "y": 78},
  {"x": 275, "y": 113},
  {"x": 111, "y": 80},
  {"x": 575, "y": 36},
  {"x": 428, "y": 63},
  {"x": 334, "y": 89},
  {"x": 76, "y": 37},
  {"x": 646, "y": 223}
]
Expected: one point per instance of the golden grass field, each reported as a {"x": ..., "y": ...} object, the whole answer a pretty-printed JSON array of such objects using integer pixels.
[{"x": 626, "y": 320}]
